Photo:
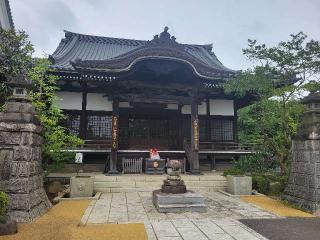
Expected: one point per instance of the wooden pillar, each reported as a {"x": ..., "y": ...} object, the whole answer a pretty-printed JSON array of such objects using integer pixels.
[
  {"x": 115, "y": 137},
  {"x": 83, "y": 114},
  {"x": 208, "y": 123},
  {"x": 235, "y": 123},
  {"x": 180, "y": 127},
  {"x": 195, "y": 167}
]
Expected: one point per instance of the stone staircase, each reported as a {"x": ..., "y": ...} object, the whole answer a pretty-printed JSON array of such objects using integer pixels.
[{"x": 146, "y": 183}]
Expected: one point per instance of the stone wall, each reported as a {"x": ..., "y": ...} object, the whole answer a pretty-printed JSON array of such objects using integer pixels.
[
  {"x": 21, "y": 175},
  {"x": 303, "y": 188}
]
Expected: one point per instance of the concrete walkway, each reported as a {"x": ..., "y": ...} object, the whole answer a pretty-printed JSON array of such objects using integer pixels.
[{"x": 219, "y": 222}]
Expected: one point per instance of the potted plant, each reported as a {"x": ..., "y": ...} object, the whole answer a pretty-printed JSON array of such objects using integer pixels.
[
  {"x": 238, "y": 183},
  {"x": 6, "y": 226}
]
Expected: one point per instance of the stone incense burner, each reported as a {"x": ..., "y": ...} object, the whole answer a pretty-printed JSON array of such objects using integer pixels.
[
  {"x": 173, "y": 184},
  {"x": 174, "y": 196}
]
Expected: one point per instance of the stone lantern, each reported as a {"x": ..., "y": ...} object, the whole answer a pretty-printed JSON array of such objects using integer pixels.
[
  {"x": 310, "y": 122},
  {"x": 21, "y": 139},
  {"x": 20, "y": 85}
]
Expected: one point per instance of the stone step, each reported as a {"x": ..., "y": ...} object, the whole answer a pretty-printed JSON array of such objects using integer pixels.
[
  {"x": 134, "y": 184},
  {"x": 147, "y": 183},
  {"x": 142, "y": 178},
  {"x": 150, "y": 189}
]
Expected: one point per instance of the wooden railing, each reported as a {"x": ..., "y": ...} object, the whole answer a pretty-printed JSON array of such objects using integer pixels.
[
  {"x": 187, "y": 150},
  {"x": 96, "y": 144},
  {"x": 227, "y": 146},
  {"x": 132, "y": 165}
]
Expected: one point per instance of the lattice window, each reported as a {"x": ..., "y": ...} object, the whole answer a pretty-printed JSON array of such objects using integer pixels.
[
  {"x": 221, "y": 130},
  {"x": 186, "y": 128},
  {"x": 138, "y": 128},
  {"x": 99, "y": 127},
  {"x": 158, "y": 128},
  {"x": 202, "y": 129},
  {"x": 72, "y": 123}
]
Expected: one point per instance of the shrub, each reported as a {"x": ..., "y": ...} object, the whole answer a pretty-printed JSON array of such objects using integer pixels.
[
  {"x": 233, "y": 171},
  {"x": 4, "y": 200},
  {"x": 283, "y": 181},
  {"x": 260, "y": 183},
  {"x": 275, "y": 189},
  {"x": 259, "y": 162}
]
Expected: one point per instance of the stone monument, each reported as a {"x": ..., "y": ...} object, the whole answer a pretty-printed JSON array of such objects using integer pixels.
[
  {"x": 303, "y": 188},
  {"x": 21, "y": 175},
  {"x": 173, "y": 195}
]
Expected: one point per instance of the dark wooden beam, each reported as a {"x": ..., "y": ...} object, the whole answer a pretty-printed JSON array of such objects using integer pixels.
[
  {"x": 115, "y": 137},
  {"x": 208, "y": 122},
  {"x": 235, "y": 122},
  {"x": 83, "y": 115},
  {"x": 180, "y": 130}
]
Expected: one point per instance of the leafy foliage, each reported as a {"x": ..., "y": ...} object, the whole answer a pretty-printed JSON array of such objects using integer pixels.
[
  {"x": 56, "y": 137},
  {"x": 4, "y": 201},
  {"x": 280, "y": 75},
  {"x": 260, "y": 183},
  {"x": 16, "y": 52},
  {"x": 233, "y": 171}
]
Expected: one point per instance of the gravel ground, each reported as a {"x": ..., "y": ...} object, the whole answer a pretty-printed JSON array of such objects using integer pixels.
[
  {"x": 275, "y": 207},
  {"x": 62, "y": 223}
]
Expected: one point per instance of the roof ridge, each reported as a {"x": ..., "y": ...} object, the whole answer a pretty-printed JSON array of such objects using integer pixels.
[
  {"x": 106, "y": 39},
  {"x": 115, "y": 40}
]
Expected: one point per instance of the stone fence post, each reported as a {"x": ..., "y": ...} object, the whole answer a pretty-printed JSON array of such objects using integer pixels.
[
  {"x": 21, "y": 174},
  {"x": 303, "y": 189}
]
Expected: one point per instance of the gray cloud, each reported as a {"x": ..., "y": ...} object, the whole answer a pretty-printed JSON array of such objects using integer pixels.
[{"x": 227, "y": 24}]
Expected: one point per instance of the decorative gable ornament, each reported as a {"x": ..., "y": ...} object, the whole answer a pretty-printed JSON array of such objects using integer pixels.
[{"x": 164, "y": 38}]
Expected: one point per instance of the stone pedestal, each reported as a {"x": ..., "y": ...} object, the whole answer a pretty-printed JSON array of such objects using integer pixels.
[
  {"x": 81, "y": 186},
  {"x": 177, "y": 203},
  {"x": 21, "y": 175},
  {"x": 239, "y": 185},
  {"x": 303, "y": 188}
]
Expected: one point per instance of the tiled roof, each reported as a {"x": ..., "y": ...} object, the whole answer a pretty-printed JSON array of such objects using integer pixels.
[
  {"x": 92, "y": 49},
  {"x": 8, "y": 13}
]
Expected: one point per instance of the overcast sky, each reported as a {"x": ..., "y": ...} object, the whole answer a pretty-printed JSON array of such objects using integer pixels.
[{"x": 227, "y": 24}]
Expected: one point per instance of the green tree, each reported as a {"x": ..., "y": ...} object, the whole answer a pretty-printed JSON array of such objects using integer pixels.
[
  {"x": 279, "y": 76},
  {"x": 56, "y": 137},
  {"x": 16, "y": 54}
]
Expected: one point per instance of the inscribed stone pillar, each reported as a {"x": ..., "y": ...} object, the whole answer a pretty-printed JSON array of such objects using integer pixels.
[
  {"x": 303, "y": 188},
  {"x": 21, "y": 175}
]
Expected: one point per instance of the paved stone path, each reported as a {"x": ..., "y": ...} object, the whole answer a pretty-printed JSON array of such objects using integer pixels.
[{"x": 219, "y": 222}]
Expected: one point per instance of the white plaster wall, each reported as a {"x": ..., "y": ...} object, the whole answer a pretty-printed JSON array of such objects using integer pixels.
[
  {"x": 221, "y": 107},
  {"x": 202, "y": 109},
  {"x": 172, "y": 106},
  {"x": 97, "y": 102},
  {"x": 68, "y": 100},
  {"x": 124, "y": 104}
]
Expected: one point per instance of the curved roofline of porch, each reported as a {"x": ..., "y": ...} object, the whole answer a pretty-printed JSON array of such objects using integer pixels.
[{"x": 102, "y": 66}]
